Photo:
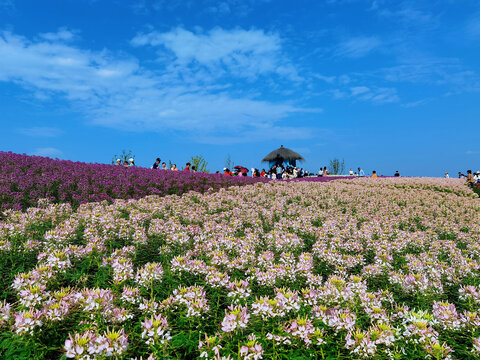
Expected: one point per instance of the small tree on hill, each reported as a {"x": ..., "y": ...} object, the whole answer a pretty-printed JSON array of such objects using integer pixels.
[
  {"x": 336, "y": 167},
  {"x": 124, "y": 156},
  {"x": 200, "y": 163}
]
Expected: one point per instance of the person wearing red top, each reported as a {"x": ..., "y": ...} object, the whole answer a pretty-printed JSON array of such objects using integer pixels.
[
  {"x": 187, "y": 167},
  {"x": 227, "y": 172}
]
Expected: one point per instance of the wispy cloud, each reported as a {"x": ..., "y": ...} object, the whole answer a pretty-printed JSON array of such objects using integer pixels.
[
  {"x": 375, "y": 95},
  {"x": 244, "y": 53},
  {"x": 416, "y": 103},
  {"x": 473, "y": 26},
  {"x": 40, "y": 131},
  {"x": 358, "y": 88},
  {"x": 404, "y": 11},
  {"x": 48, "y": 151},
  {"x": 116, "y": 91},
  {"x": 214, "y": 7},
  {"x": 448, "y": 75},
  {"x": 357, "y": 47},
  {"x": 63, "y": 34},
  {"x": 327, "y": 79},
  {"x": 441, "y": 72}
]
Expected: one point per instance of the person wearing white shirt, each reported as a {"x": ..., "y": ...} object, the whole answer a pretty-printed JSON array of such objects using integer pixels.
[{"x": 350, "y": 172}]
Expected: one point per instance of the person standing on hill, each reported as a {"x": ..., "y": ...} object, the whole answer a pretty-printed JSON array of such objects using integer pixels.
[
  {"x": 374, "y": 174},
  {"x": 119, "y": 162},
  {"x": 187, "y": 166},
  {"x": 131, "y": 162},
  {"x": 397, "y": 174},
  {"x": 279, "y": 171},
  {"x": 174, "y": 167},
  {"x": 156, "y": 164},
  {"x": 470, "y": 179},
  {"x": 164, "y": 166},
  {"x": 361, "y": 172}
]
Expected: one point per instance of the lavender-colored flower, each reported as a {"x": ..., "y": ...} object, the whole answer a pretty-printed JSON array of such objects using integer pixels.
[{"x": 236, "y": 317}]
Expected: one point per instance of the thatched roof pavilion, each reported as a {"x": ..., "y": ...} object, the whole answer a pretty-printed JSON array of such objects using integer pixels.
[{"x": 283, "y": 154}]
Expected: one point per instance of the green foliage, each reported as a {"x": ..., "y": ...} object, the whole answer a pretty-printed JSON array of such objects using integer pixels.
[
  {"x": 200, "y": 163},
  {"x": 336, "y": 167},
  {"x": 124, "y": 156},
  {"x": 476, "y": 189},
  {"x": 90, "y": 272}
]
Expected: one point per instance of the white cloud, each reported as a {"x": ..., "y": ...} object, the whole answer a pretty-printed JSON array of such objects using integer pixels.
[
  {"x": 48, "y": 151},
  {"x": 357, "y": 47},
  {"x": 357, "y": 90},
  {"x": 204, "y": 113},
  {"x": 40, "y": 131},
  {"x": 327, "y": 79},
  {"x": 63, "y": 34},
  {"x": 407, "y": 14},
  {"x": 376, "y": 85},
  {"x": 375, "y": 95},
  {"x": 244, "y": 53},
  {"x": 416, "y": 103},
  {"x": 118, "y": 92},
  {"x": 447, "y": 72},
  {"x": 371, "y": 93}
]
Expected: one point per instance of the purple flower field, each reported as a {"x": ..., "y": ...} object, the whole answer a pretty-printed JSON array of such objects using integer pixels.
[{"x": 26, "y": 179}]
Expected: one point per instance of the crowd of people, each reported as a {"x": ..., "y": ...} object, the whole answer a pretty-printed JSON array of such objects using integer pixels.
[
  {"x": 472, "y": 178},
  {"x": 277, "y": 171},
  {"x": 130, "y": 162},
  {"x": 156, "y": 165},
  {"x": 280, "y": 171}
]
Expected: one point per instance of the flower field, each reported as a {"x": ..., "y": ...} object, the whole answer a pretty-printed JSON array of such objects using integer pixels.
[
  {"x": 348, "y": 269},
  {"x": 26, "y": 179}
]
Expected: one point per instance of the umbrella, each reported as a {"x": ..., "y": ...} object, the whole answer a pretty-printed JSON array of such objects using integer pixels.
[
  {"x": 242, "y": 169},
  {"x": 283, "y": 154}
]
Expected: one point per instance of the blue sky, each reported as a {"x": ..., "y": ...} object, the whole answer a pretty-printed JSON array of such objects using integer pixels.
[{"x": 386, "y": 85}]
